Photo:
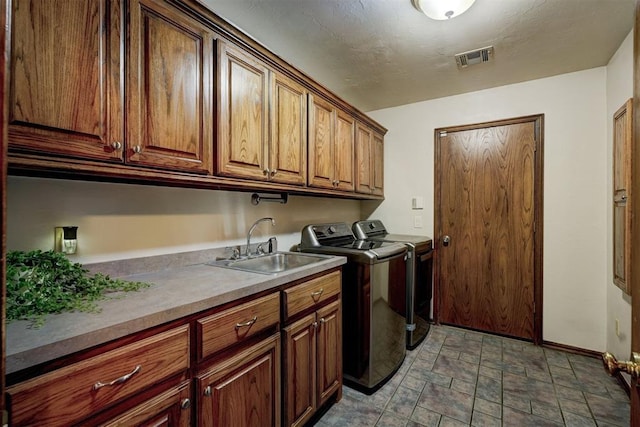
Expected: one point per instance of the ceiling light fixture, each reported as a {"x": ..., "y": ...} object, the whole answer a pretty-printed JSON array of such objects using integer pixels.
[{"x": 442, "y": 9}]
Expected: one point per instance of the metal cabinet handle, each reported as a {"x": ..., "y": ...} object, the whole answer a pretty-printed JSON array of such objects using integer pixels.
[
  {"x": 120, "y": 380},
  {"x": 273, "y": 172},
  {"x": 266, "y": 172},
  {"x": 207, "y": 391},
  {"x": 185, "y": 404},
  {"x": 247, "y": 323},
  {"x": 137, "y": 149},
  {"x": 116, "y": 145},
  {"x": 323, "y": 320},
  {"x": 314, "y": 324},
  {"x": 317, "y": 293}
]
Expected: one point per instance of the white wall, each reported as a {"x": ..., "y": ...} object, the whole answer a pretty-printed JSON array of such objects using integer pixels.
[
  {"x": 619, "y": 90},
  {"x": 575, "y": 185},
  {"x": 119, "y": 221}
]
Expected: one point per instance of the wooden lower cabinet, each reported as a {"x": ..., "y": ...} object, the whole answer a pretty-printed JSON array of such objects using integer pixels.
[
  {"x": 243, "y": 389},
  {"x": 169, "y": 409},
  {"x": 312, "y": 363}
]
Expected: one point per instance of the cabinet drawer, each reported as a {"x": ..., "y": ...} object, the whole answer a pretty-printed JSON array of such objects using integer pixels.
[
  {"x": 236, "y": 324},
  {"x": 308, "y": 294},
  {"x": 72, "y": 393}
]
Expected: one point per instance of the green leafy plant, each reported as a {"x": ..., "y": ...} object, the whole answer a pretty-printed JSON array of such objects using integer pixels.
[{"x": 46, "y": 282}]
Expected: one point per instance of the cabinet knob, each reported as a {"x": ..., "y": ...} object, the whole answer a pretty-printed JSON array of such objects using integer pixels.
[
  {"x": 116, "y": 145},
  {"x": 207, "y": 391},
  {"x": 137, "y": 149},
  {"x": 323, "y": 320},
  {"x": 266, "y": 172},
  {"x": 314, "y": 324},
  {"x": 185, "y": 404},
  {"x": 273, "y": 172}
]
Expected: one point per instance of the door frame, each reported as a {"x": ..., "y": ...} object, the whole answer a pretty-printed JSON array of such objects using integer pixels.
[
  {"x": 634, "y": 198},
  {"x": 538, "y": 187}
]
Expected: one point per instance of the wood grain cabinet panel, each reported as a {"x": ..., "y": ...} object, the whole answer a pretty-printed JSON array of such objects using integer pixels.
[
  {"x": 369, "y": 160},
  {"x": 235, "y": 325},
  {"x": 311, "y": 293},
  {"x": 288, "y": 145},
  {"x": 170, "y": 78},
  {"x": 242, "y": 389},
  {"x": 312, "y": 353},
  {"x": 169, "y": 409},
  {"x": 69, "y": 394},
  {"x": 378, "y": 164},
  {"x": 263, "y": 121},
  {"x": 66, "y": 98},
  {"x": 331, "y": 146}
]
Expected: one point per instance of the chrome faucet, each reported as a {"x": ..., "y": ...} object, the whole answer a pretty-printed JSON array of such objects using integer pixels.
[{"x": 255, "y": 224}]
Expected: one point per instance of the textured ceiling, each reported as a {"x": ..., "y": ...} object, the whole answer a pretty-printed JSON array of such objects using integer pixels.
[{"x": 384, "y": 53}]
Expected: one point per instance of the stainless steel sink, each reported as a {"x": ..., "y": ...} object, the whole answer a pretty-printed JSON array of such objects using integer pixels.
[{"x": 271, "y": 263}]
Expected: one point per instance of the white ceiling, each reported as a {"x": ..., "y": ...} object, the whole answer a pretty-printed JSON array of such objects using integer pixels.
[{"x": 384, "y": 53}]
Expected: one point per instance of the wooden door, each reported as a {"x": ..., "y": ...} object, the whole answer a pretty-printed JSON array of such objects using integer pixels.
[
  {"x": 288, "y": 148},
  {"x": 344, "y": 151},
  {"x": 5, "y": 37},
  {"x": 329, "y": 352},
  {"x": 170, "y": 77},
  {"x": 243, "y": 136},
  {"x": 364, "y": 159},
  {"x": 66, "y": 94},
  {"x": 300, "y": 370},
  {"x": 634, "y": 197},
  {"x": 488, "y": 178},
  {"x": 242, "y": 390},
  {"x": 622, "y": 132},
  {"x": 321, "y": 145},
  {"x": 378, "y": 164}
]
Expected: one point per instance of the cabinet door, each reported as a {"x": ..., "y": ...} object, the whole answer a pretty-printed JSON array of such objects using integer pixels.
[
  {"x": 300, "y": 370},
  {"x": 364, "y": 162},
  {"x": 66, "y": 92},
  {"x": 321, "y": 137},
  {"x": 243, "y": 129},
  {"x": 329, "y": 351},
  {"x": 288, "y": 149},
  {"x": 344, "y": 151},
  {"x": 243, "y": 389},
  {"x": 170, "y": 77},
  {"x": 169, "y": 409},
  {"x": 378, "y": 164}
]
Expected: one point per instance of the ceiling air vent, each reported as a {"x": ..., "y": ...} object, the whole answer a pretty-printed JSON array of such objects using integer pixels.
[{"x": 472, "y": 57}]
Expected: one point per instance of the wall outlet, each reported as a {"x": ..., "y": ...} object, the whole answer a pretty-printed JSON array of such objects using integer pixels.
[{"x": 417, "y": 221}]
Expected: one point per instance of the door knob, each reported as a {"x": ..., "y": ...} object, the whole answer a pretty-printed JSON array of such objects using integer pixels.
[
  {"x": 613, "y": 366},
  {"x": 446, "y": 240}
]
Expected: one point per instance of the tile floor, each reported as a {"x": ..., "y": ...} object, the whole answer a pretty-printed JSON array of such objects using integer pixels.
[{"x": 461, "y": 378}]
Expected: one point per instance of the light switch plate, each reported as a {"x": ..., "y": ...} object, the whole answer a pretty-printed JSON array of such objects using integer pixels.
[{"x": 417, "y": 202}]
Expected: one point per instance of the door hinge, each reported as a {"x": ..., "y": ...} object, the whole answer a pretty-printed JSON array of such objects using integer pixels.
[{"x": 443, "y": 133}]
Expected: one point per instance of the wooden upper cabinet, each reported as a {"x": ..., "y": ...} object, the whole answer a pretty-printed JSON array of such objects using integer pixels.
[
  {"x": 66, "y": 96},
  {"x": 243, "y": 113},
  {"x": 253, "y": 100},
  {"x": 170, "y": 78},
  {"x": 331, "y": 146},
  {"x": 288, "y": 148},
  {"x": 378, "y": 164},
  {"x": 369, "y": 160},
  {"x": 364, "y": 159}
]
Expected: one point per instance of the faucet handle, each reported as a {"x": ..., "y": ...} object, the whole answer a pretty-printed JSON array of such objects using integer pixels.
[{"x": 273, "y": 244}]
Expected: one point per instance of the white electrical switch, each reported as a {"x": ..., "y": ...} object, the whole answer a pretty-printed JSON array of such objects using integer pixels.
[
  {"x": 417, "y": 221},
  {"x": 417, "y": 202}
]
